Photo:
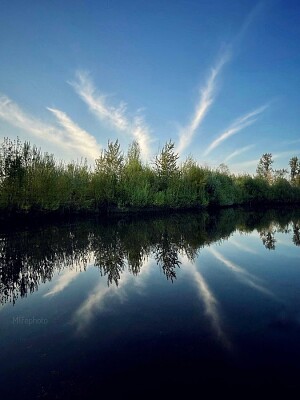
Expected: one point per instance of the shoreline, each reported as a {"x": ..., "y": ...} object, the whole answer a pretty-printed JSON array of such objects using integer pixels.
[{"x": 34, "y": 217}]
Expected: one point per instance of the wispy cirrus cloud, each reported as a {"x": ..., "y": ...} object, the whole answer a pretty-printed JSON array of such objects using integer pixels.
[
  {"x": 291, "y": 141},
  {"x": 207, "y": 95},
  {"x": 288, "y": 153},
  {"x": 71, "y": 138},
  {"x": 115, "y": 116},
  {"x": 79, "y": 138},
  {"x": 238, "y": 152},
  {"x": 254, "y": 162},
  {"x": 239, "y": 124},
  {"x": 14, "y": 115}
]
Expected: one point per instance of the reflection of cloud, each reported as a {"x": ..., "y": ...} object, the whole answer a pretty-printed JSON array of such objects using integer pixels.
[
  {"x": 279, "y": 241},
  {"x": 95, "y": 300},
  {"x": 242, "y": 246},
  {"x": 210, "y": 302},
  {"x": 244, "y": 276},
  {"x": 63, "y": 281},
  {"x": 91, "y": 305}
]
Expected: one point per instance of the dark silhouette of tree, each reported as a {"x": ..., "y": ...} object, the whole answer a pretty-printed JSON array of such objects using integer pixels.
[
  {"x": 166, "y": 255},
  {"x": 296, "y": 236},
  {"x": 110, "y": 257}
]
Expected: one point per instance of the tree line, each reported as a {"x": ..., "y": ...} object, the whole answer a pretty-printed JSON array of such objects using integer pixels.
[{"x": 34, "y": 181}]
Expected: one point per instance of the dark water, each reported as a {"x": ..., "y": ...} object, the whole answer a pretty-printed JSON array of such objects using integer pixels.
[{"x": 164, "y": 307}]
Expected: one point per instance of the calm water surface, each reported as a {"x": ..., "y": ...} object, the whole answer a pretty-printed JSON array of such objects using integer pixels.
[{"x": 159, "y": 306}]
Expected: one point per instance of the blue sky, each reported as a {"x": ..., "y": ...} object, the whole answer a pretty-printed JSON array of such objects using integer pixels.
[{"x": 219, "y": 78}]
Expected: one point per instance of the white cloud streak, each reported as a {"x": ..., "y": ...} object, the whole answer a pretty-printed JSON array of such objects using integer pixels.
[
  {"x": 70, "y": 138},
  {"x": 291, "y": 141},
  {"x": 235, "y": 127},
  {"x": 238, "y": 152},
  {"x": 79, "y": 138},
  {"x": 206, "y": 100},
  {"x": 288, "y": 153},
  {"x": 253, "y": 163},
  {"x": 115, "y": 116}
]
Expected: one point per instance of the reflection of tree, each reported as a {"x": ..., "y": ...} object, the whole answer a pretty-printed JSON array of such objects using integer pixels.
[
  {"x": 268, "y": 239},
  {"x": 31, "y": 257},
  {"x": 110, "y": 257},
  {"x": 166, "y": 255},
  {"x": 296, "y": 236}
]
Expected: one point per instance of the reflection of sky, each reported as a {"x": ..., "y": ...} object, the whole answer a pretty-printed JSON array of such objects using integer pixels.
[
  {"x": 208, "y": 298},
  {"x": 95, "y": 300},
  {"x": 244, "y": 276},
  {"x": 238, "y": 254},
  {"x": 242, "y": 246},
  {"x": 63, "y": 281},
  {"x": 253, "y": 241}
]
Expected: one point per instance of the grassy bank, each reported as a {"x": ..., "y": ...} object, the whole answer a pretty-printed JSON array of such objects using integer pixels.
[{"x": 34, "y": 183}]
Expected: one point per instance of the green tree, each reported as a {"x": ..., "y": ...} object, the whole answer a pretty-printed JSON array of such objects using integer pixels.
[
  {"x": 264, "y": 167},
  {"x": 108, "y": 171},
  {"x": 223, "y": 169},
  {"x": 166, "y": 161},
  {"x": 135, "y": 180},
  {"x": 134, "y": 154},
  {"x": 295, "y": 168},
  {"x": 166, "y": 164},
  {"x": 111, "y": 160}
]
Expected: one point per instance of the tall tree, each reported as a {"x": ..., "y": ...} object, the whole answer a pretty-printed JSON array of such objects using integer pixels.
[
  {"x": 264, "y": 167},
  {"x": 166, "y": 161},
  {"x": 111, "y": 160},
  {"x": 295, "y": 168},
  {"x": 133, "y": 160}
]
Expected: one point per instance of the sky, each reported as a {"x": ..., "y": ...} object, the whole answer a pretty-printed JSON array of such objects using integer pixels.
[{"x": 219, "y": 78}]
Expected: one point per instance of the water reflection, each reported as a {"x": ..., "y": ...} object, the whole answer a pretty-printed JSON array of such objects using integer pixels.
[
  {"x": 244, "y": 276},
  {"x": 242, "y": 247},
  {"x": 296, "y": 236},
  {"x": 95, "y": 300},
  {"x": 191, "y": 298},
  {"x": 268, "y": 239},
  {"x": 30, "y": 257},
  {"x": 209, "y": 300},
  {"x": 63, "y": 281}
]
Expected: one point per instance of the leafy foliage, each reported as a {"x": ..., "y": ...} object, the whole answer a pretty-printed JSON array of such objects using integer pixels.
[
  {"x": 34, "y": 181},
  {"x": 264, "y": 168}
]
